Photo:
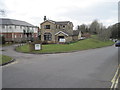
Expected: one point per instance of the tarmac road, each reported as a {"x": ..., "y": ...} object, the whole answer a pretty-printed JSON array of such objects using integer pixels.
[{"x": 93, "y": 68}]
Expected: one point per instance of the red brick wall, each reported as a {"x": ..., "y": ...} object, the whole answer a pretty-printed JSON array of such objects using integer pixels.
[
  {"x": 8, "y": 36},
  {"x": 18, "y": 35}
]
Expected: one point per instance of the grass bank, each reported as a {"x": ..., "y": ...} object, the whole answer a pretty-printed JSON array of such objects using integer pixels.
[
  {"x": 90, "y": 43},
  {"x": 4, "y": 59}
]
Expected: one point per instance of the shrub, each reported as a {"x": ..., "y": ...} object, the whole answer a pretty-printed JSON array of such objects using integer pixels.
[{"x": 2, "y": 40}]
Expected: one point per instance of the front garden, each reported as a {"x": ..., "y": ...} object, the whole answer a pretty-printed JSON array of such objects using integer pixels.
[{"x": 89, "y": 43}]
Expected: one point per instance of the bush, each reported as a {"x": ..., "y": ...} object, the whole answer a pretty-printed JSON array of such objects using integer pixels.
[{"x": 2, "y": 40}]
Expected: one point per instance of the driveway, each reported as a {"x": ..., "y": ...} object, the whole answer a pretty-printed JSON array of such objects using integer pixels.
[{"x": 83, "y": 69}]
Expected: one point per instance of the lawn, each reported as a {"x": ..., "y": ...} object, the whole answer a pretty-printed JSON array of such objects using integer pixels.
[
  {"x": 80, "y": 45},
  {"x": 4, "y": 59}
]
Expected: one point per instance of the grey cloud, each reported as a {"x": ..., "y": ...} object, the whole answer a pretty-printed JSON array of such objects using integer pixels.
[{"x": 99, "y": 11}]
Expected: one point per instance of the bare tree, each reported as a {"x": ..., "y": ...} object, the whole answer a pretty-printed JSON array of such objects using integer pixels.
[
  {"x": 2, "y": 12},
  {"x": 101, "y": 31},
  {"x": 98, "y": 29},
  {"x": 115, "y": 30},
  {"x": 83, "y": 28},
  {"x": 104, "y": 34},
  {"x": 94, "y": 27}
]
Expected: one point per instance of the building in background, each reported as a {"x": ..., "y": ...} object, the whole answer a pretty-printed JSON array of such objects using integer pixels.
[
  {"x": 58, "y": 31},
  {"x": 17, "y": 31}
]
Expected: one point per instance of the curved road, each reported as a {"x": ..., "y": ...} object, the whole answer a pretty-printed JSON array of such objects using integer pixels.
[{"x": 84, "y": 69}]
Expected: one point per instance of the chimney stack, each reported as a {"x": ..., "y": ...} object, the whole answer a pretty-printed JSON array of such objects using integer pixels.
[{"x": 45, "y": 18}]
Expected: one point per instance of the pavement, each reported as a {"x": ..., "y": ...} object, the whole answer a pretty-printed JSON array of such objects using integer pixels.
[{"x": 93, "y": 68}]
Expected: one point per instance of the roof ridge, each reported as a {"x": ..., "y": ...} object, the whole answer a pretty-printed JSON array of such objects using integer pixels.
[
  {"x": 62, "y": 21},
  {"x": 14, "y": 22}
]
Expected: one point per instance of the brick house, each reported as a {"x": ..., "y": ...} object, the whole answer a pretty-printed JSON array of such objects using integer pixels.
[
  {"x": 58, "y": 31},
  {"x": 16, "y": 30}
]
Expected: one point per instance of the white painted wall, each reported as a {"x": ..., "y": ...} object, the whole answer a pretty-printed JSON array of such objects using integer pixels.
[{"x": 17, "y": 29}]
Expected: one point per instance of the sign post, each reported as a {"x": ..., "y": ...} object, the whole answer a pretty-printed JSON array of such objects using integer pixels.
[{"x": 37, "y": 46}]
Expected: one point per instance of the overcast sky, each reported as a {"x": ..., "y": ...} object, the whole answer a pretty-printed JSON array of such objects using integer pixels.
[{"x": 76, "y": 11}]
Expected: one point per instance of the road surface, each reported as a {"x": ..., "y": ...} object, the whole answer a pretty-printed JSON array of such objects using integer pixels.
[{"x": 93, "y": 68}]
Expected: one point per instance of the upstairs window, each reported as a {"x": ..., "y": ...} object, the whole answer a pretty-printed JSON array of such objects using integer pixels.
[
  {"x": 10, "y": 27},
  {"x": 59, "y": 26},
  {"x": 15, "y": 27},
  {"x": 47, "y": 27},
  {"x": 20, "y": 27},
  {"x": 63, "y": 26},
  {"x": 3, "y": 26}
]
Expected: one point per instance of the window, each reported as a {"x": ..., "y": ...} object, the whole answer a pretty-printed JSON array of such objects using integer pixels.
[
  {"x": 10, "y": 27},
  {"x": 3, "y": 26},
  {"x": 15, "y": 27},
  {"x": 24, "y": 31},
  {"x": 47, "y": 26},
  {"x": 21, "y": 35},
  {"x": 48, "y": 36},
  {"x": 20, "y": 27},
  {"x": 15, "y": 36},
  {"x": 63, "y": 26},
  {"x": 59, "y": 26}
]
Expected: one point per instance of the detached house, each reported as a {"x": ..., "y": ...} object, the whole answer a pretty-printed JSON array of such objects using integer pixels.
[{"x": 58, "y": 31}]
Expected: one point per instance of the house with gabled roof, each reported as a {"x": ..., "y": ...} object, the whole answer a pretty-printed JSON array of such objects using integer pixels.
[
  {"x": 58, "y": 31},
  {"x": 17, "y": 30}
]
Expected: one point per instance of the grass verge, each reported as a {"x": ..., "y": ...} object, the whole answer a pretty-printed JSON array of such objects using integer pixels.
[
  {"x": 90, "y": 43},
  {"x": 4, "y": 59}
]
